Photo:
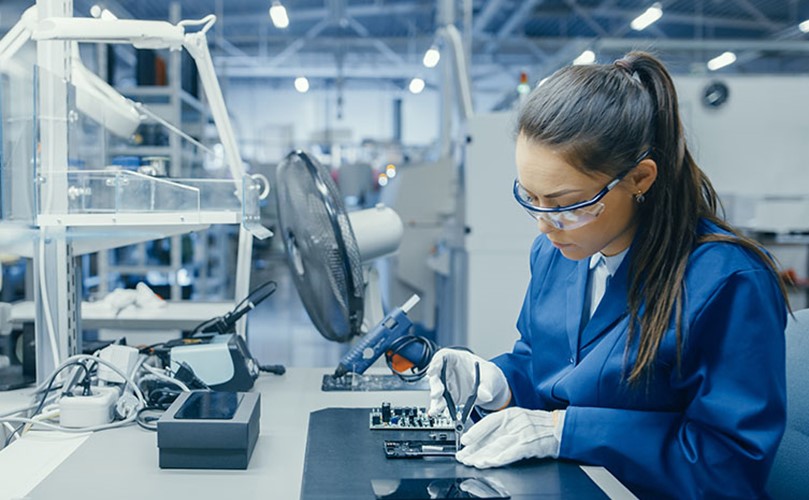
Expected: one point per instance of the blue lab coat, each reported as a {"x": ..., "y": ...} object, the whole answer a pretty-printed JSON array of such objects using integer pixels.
[{"x": 710, "y": 429}]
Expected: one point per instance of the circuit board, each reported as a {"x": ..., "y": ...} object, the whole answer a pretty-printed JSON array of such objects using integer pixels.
[
  {"x": 420, "y": 448},
  {"x": 361, "y": 383},
  {"x": 406, "y": 418}
]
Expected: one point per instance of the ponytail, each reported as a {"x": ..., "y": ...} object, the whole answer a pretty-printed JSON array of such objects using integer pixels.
[
  {"x": 668, "y": 225},
  {"x": 602, "y": 117}
]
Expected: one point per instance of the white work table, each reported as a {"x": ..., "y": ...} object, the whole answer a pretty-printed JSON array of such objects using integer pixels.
[{"x": 123, "y": 463}]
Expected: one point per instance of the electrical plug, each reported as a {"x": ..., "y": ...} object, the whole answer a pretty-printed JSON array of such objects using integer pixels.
[
  {"x": 186, "y": 375},
  {"x": 126, "y": 405}
]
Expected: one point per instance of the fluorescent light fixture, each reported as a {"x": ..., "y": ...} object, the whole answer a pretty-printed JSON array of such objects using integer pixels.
[
  {"x": 431, "y": 57},
  {"x": 804, "y": 26},
  {"x": 722, "y": 60},
  {"x": 586, "y": 57},
  {"x": 278, "y": 14},
  {"x": 99, "y": 12},
  {"x": 302, "y": 84},
  {"x": 416, "y": 85},
  {"x": 648, "y": 18}
]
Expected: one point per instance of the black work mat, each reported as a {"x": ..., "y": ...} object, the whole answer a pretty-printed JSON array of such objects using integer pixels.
[{"x": 343, "y": 456}]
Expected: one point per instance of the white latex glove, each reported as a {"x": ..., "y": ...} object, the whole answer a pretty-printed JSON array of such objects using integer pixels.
[
  {"x": 510, "y": 435},
  {"x": 146, "y": 298},
  {"x": 493, "y": 391}
]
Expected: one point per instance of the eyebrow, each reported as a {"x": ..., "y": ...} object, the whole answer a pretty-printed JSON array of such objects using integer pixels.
[{"x": 561, "y": 192}]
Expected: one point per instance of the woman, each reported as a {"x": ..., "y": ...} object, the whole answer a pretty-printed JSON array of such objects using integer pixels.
[{"x": 652, "y": 333}]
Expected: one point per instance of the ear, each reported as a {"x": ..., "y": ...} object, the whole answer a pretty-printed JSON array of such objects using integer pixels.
[{"x": 643, "y": 176}]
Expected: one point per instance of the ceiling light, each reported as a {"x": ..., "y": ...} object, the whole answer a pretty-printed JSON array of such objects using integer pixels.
[
  {"x": 278, "y": 14},
  {"x": 416, "y": 85},
  {"x": 302, "y": 84},
  {"x": 431, "y": 57},
  {"x": 586, "y": 57},
  {"x": 722, "y": 60},
  {"x": 804, "y": 26},
  {"x": 646, "y": 19},
  {"x": 99, "y": 12}
]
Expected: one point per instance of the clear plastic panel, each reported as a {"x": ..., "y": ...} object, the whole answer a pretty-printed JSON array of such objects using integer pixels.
[
  {"x": 17, "y": 135},
  {"x": 111, "y": 191},
  {"x": 59, "y": 161}
]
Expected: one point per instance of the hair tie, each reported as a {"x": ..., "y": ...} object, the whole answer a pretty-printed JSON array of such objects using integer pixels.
[{"x": 626, "y": 66}]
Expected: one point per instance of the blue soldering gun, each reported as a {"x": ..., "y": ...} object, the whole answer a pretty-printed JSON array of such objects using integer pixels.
[{"x": 393, "y": 327}]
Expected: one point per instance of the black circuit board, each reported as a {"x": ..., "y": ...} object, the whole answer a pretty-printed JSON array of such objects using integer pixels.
[
  {"x": 419, "y": 448},
  {"x": 406, "y": 418}
]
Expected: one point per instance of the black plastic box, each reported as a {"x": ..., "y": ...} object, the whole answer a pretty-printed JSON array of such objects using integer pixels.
[{"x": 209, "y": 430}]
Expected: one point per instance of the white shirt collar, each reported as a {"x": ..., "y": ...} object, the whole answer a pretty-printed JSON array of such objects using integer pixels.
[{"x": 612, "y": 262}]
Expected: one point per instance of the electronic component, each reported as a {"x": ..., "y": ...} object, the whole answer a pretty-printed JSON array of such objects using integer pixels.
[
  {"x": 223, "y": 362},
  {"x": 432, "y": 488},
  {"x": 406, "y": 418},
  {"x": 123, "y": 357},
  {"x": 353, "y": 382},
  {"x": 420, "y": 448},
  {"x": 209, "y": 430}
]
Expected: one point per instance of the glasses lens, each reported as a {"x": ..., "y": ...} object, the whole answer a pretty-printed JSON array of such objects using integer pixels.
[
  {"x": 523, "y": 196},
  {"x": 570, "y": 219}
]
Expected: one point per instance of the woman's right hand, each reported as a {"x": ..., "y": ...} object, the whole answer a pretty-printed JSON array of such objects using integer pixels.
[{"x": 493, "y": 391}]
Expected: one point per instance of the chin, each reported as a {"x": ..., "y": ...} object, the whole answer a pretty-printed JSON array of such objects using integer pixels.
[{"x": 573, "y": 252}]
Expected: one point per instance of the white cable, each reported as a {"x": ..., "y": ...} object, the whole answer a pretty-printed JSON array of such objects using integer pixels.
[
  {"x": 135, "y": 369},
  {"x": 176, "y": 382},
  {"x": 52, "y": 413},
  {"x": 46, "y": 306},
  {"x": 104, "y": 362},
  {"x": 166, "y": 378},
  {"x": 36, "y": 423},
  {"x": 18, "y": 410}
]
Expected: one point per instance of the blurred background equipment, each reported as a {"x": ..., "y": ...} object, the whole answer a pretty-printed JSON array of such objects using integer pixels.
[{"x": 329, "y": 252}]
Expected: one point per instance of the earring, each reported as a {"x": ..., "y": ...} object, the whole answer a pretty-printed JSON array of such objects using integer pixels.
[{"x": 640, "y": 197}]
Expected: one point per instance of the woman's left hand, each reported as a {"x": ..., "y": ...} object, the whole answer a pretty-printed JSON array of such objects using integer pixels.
[{"x": 512, "y": 434}]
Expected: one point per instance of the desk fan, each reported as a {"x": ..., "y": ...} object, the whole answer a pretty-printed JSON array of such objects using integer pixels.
[{"x": 326, "y": 250}]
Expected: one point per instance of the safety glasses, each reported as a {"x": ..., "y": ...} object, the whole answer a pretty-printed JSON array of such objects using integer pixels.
[{"x": 571, "y": 216}]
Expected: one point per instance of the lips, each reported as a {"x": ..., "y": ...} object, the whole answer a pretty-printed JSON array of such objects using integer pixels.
[{"x": 560, "y": 245}]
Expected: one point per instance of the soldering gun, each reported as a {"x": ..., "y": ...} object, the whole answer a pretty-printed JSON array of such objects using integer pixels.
[{"x": 394, "y": 326}]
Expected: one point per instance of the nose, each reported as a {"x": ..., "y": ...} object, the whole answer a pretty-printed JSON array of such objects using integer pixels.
[{"x": 545, "y": 227}]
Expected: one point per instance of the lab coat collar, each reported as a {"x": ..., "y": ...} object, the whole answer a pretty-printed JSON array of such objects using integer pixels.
[
  {"x": 613, "y": 262},
  {"x": 613, "y": 305},
  {"x": 576, "y": 284}
]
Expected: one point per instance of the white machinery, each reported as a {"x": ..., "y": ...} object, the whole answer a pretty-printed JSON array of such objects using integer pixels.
[
  {"x": 466, "y": 243},
  {"x": 78, "y": 211}
]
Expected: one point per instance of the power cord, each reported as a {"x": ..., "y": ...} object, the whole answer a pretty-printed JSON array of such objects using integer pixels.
[
  {"x": 412, "y": 366},
  {"x": 276, "y": 369},
  {"x": 147, "y": 415},
  {"x": 47, "y": 391}
]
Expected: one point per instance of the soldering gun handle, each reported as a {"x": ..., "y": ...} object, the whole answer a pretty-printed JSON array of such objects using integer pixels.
[{"x": 361, "y": 356}]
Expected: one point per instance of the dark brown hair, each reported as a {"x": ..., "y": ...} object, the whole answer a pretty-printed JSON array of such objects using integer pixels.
[{"x": 601, "y": 118}]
